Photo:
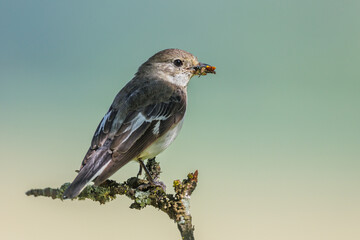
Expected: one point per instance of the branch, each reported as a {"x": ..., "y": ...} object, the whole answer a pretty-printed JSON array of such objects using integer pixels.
[{"x": 176, "y": 206}]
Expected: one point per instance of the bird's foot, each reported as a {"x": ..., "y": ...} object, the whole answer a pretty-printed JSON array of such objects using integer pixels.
[{"x": 152, "y": 181}]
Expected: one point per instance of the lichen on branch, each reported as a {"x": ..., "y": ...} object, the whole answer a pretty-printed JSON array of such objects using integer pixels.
[{"x": 176, "y": 206}]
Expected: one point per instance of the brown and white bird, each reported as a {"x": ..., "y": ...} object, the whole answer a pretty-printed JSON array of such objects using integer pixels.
[{"x": 144, "y": 118}]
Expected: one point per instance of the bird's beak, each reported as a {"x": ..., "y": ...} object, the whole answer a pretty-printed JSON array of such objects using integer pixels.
[{"x": 203, "y": 69}]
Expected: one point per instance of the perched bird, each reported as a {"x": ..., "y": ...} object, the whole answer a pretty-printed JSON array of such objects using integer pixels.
[{"x": 144, "y": 118}]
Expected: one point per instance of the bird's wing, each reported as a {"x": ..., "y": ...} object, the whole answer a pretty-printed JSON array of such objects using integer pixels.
[
  {"x": 133, "y": 122},
  {"x": 136, "y": 97},
  {"x": 141, "y": 128},
  {"x": 101, "y": 134}
]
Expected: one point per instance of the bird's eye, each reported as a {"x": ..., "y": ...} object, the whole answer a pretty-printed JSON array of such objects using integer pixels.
[{"x": 178, "y": 62}]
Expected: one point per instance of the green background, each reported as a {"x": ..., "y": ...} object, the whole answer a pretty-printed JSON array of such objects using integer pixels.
[{"x": 274, "y": 134}]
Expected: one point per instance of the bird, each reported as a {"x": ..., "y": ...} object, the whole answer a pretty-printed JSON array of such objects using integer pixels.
[{"x": 143, "y": 120}]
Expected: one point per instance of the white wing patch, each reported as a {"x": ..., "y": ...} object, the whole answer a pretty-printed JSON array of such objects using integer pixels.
[
  {"x": 102, "y": 124},
  {"x": 139, "y": 120},
  {"x": 156, "y": 129},
  {"x": 136, "y": 123}
]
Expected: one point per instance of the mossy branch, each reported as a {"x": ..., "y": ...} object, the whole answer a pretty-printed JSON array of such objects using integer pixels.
[{"x": 176, "y": 206}]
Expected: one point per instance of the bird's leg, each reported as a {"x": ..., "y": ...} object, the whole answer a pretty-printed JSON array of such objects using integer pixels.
[
  {"x": 149, "y": 177},
  {"x": 142, "y": 166},
  {"x": 140, "y": 172}
]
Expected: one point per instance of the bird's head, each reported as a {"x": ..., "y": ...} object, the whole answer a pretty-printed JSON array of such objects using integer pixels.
[{"x": 174, "y": 65}]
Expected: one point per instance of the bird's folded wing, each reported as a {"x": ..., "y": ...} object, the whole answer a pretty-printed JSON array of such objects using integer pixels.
[
  {"x": 142, "y": 125},
  {"x": 154, "y": 120},
  {"x": 139, "y": 130},
  {"x": 101, "y": 134}
]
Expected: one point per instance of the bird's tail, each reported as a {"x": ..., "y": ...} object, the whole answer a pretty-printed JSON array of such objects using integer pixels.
[{"x": 93, "y": 168}]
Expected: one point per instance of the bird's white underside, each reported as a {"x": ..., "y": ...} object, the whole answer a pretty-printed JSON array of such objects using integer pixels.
[{"x": 161, "y": 143}]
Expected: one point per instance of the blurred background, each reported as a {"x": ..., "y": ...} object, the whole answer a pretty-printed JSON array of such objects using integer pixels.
[{"x": 274, "y": 134}]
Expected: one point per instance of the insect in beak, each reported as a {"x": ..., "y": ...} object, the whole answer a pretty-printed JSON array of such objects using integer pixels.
[{"x": 203, "y": 69}]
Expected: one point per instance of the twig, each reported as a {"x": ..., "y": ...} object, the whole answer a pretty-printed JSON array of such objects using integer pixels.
[{"x": 176, "y": 206}]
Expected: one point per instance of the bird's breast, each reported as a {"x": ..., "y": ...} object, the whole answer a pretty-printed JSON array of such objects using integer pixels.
[{"x": 161, "y": 143}]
